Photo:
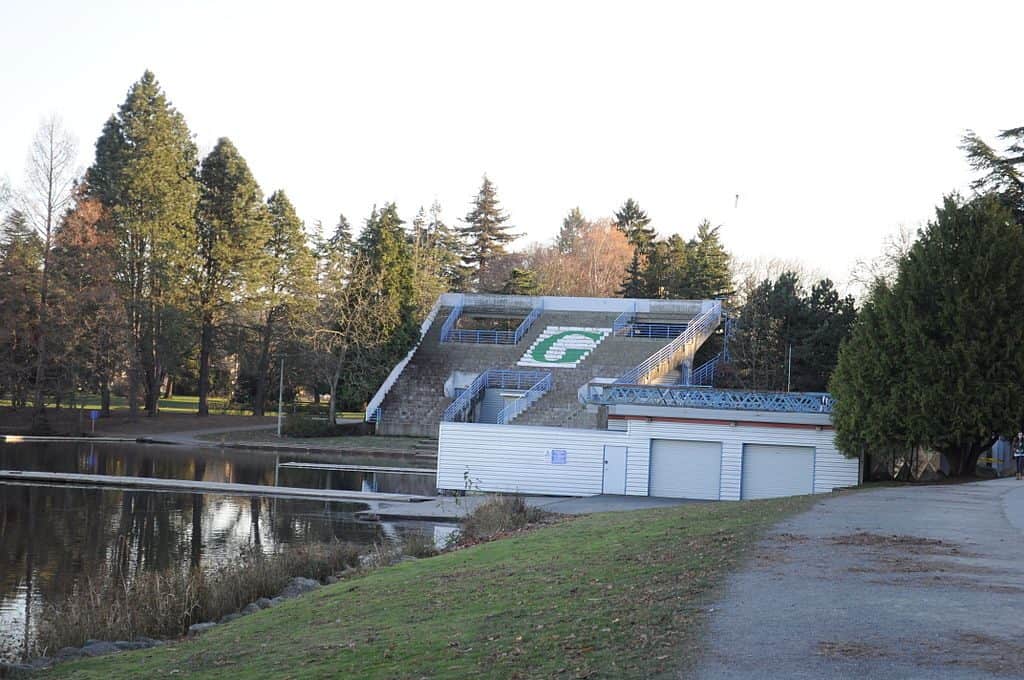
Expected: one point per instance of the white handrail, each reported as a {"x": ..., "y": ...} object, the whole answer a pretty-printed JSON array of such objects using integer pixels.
[{"x": 389, "y": 382}]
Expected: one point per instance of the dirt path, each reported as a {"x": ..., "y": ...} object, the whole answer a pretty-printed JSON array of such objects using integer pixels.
[{"x": 924, "y": 582}]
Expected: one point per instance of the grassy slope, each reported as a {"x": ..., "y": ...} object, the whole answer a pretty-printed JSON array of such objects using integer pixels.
[{"x": 612, "y": 595}]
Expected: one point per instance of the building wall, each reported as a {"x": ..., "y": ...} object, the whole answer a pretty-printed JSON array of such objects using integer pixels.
[{"x": 515, "y": 458}]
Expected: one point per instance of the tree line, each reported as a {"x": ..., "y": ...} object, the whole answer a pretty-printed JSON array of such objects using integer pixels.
[
  {"x": 936, "y": 357},
  {"x": 156, "y": 271}
]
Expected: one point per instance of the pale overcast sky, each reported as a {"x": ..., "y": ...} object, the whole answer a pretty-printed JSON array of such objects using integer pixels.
[{"x": 834, "y": 122}]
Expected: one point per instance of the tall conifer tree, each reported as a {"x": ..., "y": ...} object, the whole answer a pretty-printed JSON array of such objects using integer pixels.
[
  {"x": 145, "y": 177},
  {"x": 231, "y": 232},
  {"x": 486, "y": 232}
]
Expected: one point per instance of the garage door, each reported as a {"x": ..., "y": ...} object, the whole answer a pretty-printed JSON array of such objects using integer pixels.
[
  {"x": 682, "y": 469},
  {"x": 770, "y": 471}
]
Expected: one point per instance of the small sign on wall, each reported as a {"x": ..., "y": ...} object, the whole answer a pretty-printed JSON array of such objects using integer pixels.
[{"x": 558, "y": 456}]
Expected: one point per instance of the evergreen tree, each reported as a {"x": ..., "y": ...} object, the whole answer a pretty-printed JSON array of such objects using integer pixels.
[
  {"x": 341, "y": 237},
  {"x": 521, "y": 282},
  {"x": 448, "y": 248},
  {"x": 708, "y": 271},
  {"x": 289, "y": 290},
  {"x": 634, "y": 223},
  {"x": 486, "y": 233},
  {"x": 573, "y": 225},
  {"x": 231, "y": 232},
  {"x": 21, "y": 256},
  {"x": 145, "y": 177},
  {"x": 946, "y": 354}
]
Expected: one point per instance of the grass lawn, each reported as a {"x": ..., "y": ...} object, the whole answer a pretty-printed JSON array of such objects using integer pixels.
[
  {"x": 182, "y": 404},
  {"x": 617, "y": 595},
  {"x": 171, "y": 405}
]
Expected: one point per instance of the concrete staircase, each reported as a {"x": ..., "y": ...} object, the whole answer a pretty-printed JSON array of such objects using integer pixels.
[
  {"x": 560, "y": 407},
  {"x": 415, "y": 404}
]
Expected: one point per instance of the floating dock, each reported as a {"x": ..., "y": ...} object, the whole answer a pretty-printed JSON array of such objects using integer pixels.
[
  {"x": 189, "y": 486},
  {"x": 331, "y": 467}
]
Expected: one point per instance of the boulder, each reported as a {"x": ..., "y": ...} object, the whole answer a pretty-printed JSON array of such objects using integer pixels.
[
  {"x": 199, "y": 628},
  {"x": 99, "y": 648},
  {"x": 263, "y": 602},
  {"x": 297, "y": 586},
  {"x": 250, "y": 608},
  {"x": 68, "y": 653},
  {"x": 228, "y": 618}
]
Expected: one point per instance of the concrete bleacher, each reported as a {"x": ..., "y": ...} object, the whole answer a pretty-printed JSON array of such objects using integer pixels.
[{"x": 415, "y": 404}]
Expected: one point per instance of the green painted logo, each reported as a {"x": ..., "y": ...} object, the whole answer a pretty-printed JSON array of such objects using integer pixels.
[{"x": 565, "y": 347}]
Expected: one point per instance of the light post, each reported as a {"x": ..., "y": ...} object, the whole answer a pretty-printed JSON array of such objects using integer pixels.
[{"x": 280, "y": 398}]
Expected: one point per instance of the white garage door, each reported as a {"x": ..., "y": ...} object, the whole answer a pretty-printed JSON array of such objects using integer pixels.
[
  {"x": 770, "y": 471},
  {"x": 685, "y": 469}
]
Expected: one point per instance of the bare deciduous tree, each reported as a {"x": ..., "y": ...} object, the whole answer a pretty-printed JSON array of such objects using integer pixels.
[
  {"x": 349, "y": 320},
  {"x": 50, "y": 178}
]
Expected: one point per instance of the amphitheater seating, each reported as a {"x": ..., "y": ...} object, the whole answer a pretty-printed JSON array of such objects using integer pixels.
[{"x": 416, "y": 403}]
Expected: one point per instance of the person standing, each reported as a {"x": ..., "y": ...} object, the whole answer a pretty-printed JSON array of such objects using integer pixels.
[{"x": 1018, "y": 454}]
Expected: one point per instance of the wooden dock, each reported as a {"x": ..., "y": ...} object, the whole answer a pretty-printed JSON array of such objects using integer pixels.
[
  {"x": 359, "y": 468},
  {"x": 188, "y": 486}
]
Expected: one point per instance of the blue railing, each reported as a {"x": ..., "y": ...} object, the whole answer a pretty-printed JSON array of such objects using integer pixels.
[
  {"x": 528, "y": 321},
  {"x": 689, "y": 396},
  {"x": 449, "y": 333},
  {"x": 641, "y": 329},
  {"x": 459, "y": 409},
  {"x": 622, "y": 322},
  {"x": 449, "y": 323},
  {"x": 705, "y": 373},
  {"x": 672, "y": 354},
  {"x": 510, "y": 412},
  {"x": 626, "y": 325}
]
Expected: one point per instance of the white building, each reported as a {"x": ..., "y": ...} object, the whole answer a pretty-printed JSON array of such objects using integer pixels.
[{"x": 589, "y": 396}]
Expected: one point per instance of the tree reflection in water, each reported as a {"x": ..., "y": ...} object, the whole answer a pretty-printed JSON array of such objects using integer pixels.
[{"x": 52, "y": 537}]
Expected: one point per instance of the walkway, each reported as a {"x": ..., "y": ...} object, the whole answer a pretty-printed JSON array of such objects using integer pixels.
[
  {"x": 902, "y": 582},
  {"x": 453, "y": 508}
]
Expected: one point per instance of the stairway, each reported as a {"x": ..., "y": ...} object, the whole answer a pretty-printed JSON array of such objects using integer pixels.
[
  {"x": 561, "y": 407},
  {"x": 415, "y": 404},
  {"x": 563, "y": 346}
]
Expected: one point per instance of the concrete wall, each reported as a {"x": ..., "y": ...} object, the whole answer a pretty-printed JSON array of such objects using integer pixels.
[
  {"x": 555, "y": 303},
  {"x": 516, "y": 458}
]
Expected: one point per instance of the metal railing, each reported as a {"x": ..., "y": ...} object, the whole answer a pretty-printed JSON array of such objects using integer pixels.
[
  {"x": 449, "y": 333},
  {"x": 689, "y": 396},
  {"x": 642, "y": 329},
  {"x": 705, "y": 373},
  {"x": 449, "y": 323},
  {"x": 459, "y": 409},
  {"x": 672, "y": 354},
  {"x": 622, "y": 323},
  {"x": 373, "y": 407},
  {"x": 511, "y": 411}
]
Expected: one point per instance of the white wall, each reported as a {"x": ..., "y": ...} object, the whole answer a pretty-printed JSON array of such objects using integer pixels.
[
  {"x": 516, "y": 458},
  {"x": 555, "y": 303},
  {"x": 831, "y": 468}
]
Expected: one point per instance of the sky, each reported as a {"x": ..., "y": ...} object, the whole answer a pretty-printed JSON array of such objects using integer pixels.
[{"x": 835, "y": 123}]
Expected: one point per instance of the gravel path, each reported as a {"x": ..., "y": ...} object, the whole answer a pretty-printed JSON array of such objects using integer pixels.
[{"x": 919, "y": 582}]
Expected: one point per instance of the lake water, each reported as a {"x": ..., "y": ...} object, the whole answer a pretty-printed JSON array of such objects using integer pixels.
[{"x": 53, "y": 535}]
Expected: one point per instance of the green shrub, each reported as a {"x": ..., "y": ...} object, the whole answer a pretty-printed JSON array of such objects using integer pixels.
[{"x": 299, "y": 425}]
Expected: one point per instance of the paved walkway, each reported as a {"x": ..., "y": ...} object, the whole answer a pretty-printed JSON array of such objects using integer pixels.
[
  {"x": 452, "y": 508},
  {"x": 903, "y": 582}
]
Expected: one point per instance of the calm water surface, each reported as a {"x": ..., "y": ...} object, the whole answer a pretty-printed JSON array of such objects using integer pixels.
[{"x": 52, "y": 536}]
